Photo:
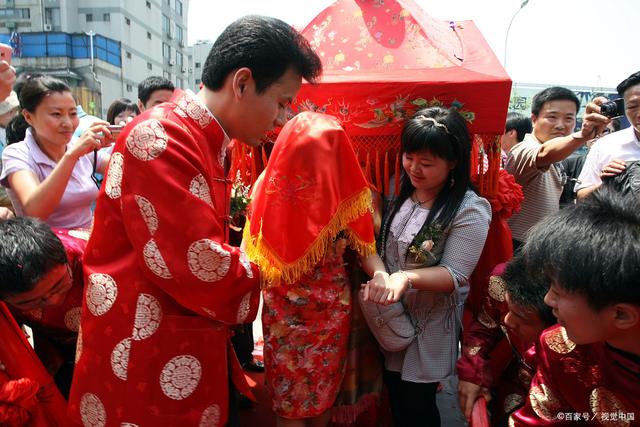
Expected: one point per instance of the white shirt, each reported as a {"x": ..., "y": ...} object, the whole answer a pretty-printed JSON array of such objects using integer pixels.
[{"x": 621, "y": 145}]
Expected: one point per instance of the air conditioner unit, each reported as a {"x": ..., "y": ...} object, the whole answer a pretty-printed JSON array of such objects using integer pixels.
[
  {"x": 47, "y": 27},
  {"x": 171, "y": 63},
  {"x": 170, "y": 35},
  {"x": 184, "y": 69},
  {"x": 181, "y": 44}
]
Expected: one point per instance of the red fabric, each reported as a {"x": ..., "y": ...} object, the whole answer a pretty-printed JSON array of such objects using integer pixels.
[
  {"x": 162, "y": 285},
  {"x": 309, "y": 186},
  {"x": 384, "y": 60},
  {"x": 593, "y": 381},
  {"x": 479, "y": 415},
  {"x": 21, "y": 376}
]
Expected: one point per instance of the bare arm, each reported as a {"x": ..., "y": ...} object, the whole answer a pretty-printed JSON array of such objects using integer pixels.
[
  {"x": 560, "y": 148},
  {"x": 40, "y": 199}
]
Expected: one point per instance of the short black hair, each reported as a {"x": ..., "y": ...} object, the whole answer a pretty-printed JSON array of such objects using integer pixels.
[
  {"x": 36, "y": 88},
  {"x": 118, "y": 106},
  {"x": 592, "y": 248},
  {"x": 267, "y": 46},
  {"x": 16, "y": 130},
  {"x": 555, "y": 93},
  {"x": 526, "y": 289},
  {"x": 626, "y": 183},
  {"x": 521, "y": 124},
  {"x": 29, "y": 249},
  {"x": 632, "y": 80},
  {"x": 152, "y": 84}
]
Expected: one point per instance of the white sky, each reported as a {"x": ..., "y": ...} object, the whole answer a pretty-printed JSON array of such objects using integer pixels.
[{"x": 592, "y": 43}]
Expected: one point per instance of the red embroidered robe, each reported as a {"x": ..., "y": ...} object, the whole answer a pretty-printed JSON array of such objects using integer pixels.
[
  {"x": 593, "y": 384},
  {"x": 162, "y": 287},
  {"x": 479, "y": 341}
]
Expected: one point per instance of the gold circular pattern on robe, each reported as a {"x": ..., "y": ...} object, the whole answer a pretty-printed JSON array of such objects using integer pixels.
[
  {"x": 543, "y": 402},
  {"x": 148, "y": 213},
  {"x": 113, "y": 184},
  {"x": 497, "y": 288},
  {"x": 486, "y": 320},
  {"x": 558, "y": 341},
  {"x": 512, "y": 401},
  {"x": 120, "y": 358},
  {"x": 603, "y": 402},
  {"x": 244, "y": 309},
  {"x": 472, "y": 350},
  {"x": 92, "y": 411},
  {"x": 210, "y": 417}
]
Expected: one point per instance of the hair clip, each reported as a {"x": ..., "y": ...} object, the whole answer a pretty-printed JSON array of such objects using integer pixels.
[{"x": 435, "y": 123}]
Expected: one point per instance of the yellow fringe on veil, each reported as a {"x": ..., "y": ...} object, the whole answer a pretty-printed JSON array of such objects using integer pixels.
[{"x": 274, "y": 269}]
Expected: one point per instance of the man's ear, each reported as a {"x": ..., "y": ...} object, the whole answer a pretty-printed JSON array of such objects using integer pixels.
[
  {"x": 140, "y": 106},
  {"x": 627, "y": 316},
  {"x": 242, "y": 78}
]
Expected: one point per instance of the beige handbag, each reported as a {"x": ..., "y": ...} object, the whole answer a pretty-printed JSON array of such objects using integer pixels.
[{"x": 392, "y": 326}]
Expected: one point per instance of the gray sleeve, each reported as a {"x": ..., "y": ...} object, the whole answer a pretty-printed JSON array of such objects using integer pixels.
[{"x": 468, "y": 232}]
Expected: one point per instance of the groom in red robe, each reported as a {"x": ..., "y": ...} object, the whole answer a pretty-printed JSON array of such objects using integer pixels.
[{"x": 162, "y": 285}]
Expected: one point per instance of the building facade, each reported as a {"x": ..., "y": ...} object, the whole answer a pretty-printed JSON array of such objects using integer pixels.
[{"x": 102, "y": 51}]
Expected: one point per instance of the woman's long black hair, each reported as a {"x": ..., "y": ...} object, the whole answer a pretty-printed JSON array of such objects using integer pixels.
[{"x": 448, "y": 139}]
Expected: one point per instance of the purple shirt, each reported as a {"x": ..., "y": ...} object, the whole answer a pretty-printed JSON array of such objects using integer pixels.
[{"x": 74, "y": 209}]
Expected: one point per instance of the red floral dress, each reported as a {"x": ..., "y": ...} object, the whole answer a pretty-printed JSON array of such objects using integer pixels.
[{"x": 306, "y": 329}]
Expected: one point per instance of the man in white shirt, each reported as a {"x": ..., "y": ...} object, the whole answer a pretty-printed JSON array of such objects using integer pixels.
[
  {"x": 609, "y": 154},
  {"x": 534, "y": 162}
]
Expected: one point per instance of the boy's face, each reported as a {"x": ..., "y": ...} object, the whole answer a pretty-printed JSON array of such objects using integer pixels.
[
  {"x": 50, "y": 290},
  {"x": 583, "y": 323},
  {"x": 524, "y": 322}
]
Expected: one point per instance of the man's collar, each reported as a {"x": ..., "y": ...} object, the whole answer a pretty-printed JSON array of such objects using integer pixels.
[{"x": 197, "y": 99}]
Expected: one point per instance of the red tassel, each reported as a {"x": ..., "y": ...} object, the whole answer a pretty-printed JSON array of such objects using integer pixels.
[
  {"x": 378, "y": 177},
  {"x": 367, "y": 168},
  {"x": 396, "y": 178},
  {"x": 386, "y": 173}
]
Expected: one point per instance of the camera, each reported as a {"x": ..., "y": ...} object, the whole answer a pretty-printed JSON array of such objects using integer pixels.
[{"x": 613, "y": 108}]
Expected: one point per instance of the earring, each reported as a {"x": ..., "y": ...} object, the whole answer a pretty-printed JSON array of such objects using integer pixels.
[{"x": 452, "y": 182}]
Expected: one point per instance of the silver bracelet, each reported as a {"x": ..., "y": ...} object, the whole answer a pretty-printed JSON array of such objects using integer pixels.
[{"x": 408, "y": 279}]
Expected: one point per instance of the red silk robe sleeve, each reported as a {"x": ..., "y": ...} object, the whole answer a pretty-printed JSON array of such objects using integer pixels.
[
  {"x": 174, "y": 208},
  {"x": 482, "y": 336}
]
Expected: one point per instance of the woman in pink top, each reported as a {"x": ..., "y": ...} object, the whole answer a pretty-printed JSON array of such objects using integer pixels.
[{"x": 47, "y": 176}]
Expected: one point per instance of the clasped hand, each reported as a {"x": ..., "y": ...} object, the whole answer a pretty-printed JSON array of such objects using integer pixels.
[{"x": 384, "y": 288}]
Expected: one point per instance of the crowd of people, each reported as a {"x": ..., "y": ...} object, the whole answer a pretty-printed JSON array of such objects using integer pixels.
[{"x": 114, "y": 250}]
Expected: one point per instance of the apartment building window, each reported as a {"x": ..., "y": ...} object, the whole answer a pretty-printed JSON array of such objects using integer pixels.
[
  {"x": 52, "y": 16},
  {"x": 149, "y": 66},
  {"x": 106, "y": 17},
  {"x": 179, "y": 34},
  {"x": 166, "y": 24},
  {"x": 129, "y": 88},
  {"x": 197, "y": 82},
  {"x": 166, "y": 75},
  {"x": 89, "y": 17},
  {"x": 166, "y": 51},
  {"x": 127, "y": 21},
  {"x": 197, "y": 65},
  {"x": 169, "y": 3},
  {"x": 16, "y": 13},
  {"x": 148, "y": 35},
  {"x": 179, "y": 7},
  {"x": 148, "y": 4},
  {"x": 178, "y": 59},
  {"x": 128, "y": 55}
]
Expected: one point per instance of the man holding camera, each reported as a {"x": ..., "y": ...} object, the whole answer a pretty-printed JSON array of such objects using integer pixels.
[
  {"x": 609, "y": 154},
  {"x": 534, "y": 162}
]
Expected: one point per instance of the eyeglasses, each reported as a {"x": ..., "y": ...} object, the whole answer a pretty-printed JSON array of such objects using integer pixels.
[{"x": 59, "y": 287}]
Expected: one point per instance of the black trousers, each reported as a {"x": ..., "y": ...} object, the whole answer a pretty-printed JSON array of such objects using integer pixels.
[{"x": 412, "y": 404}]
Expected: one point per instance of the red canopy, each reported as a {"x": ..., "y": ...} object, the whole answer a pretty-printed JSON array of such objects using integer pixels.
[{"x": 383, "y": 60}]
